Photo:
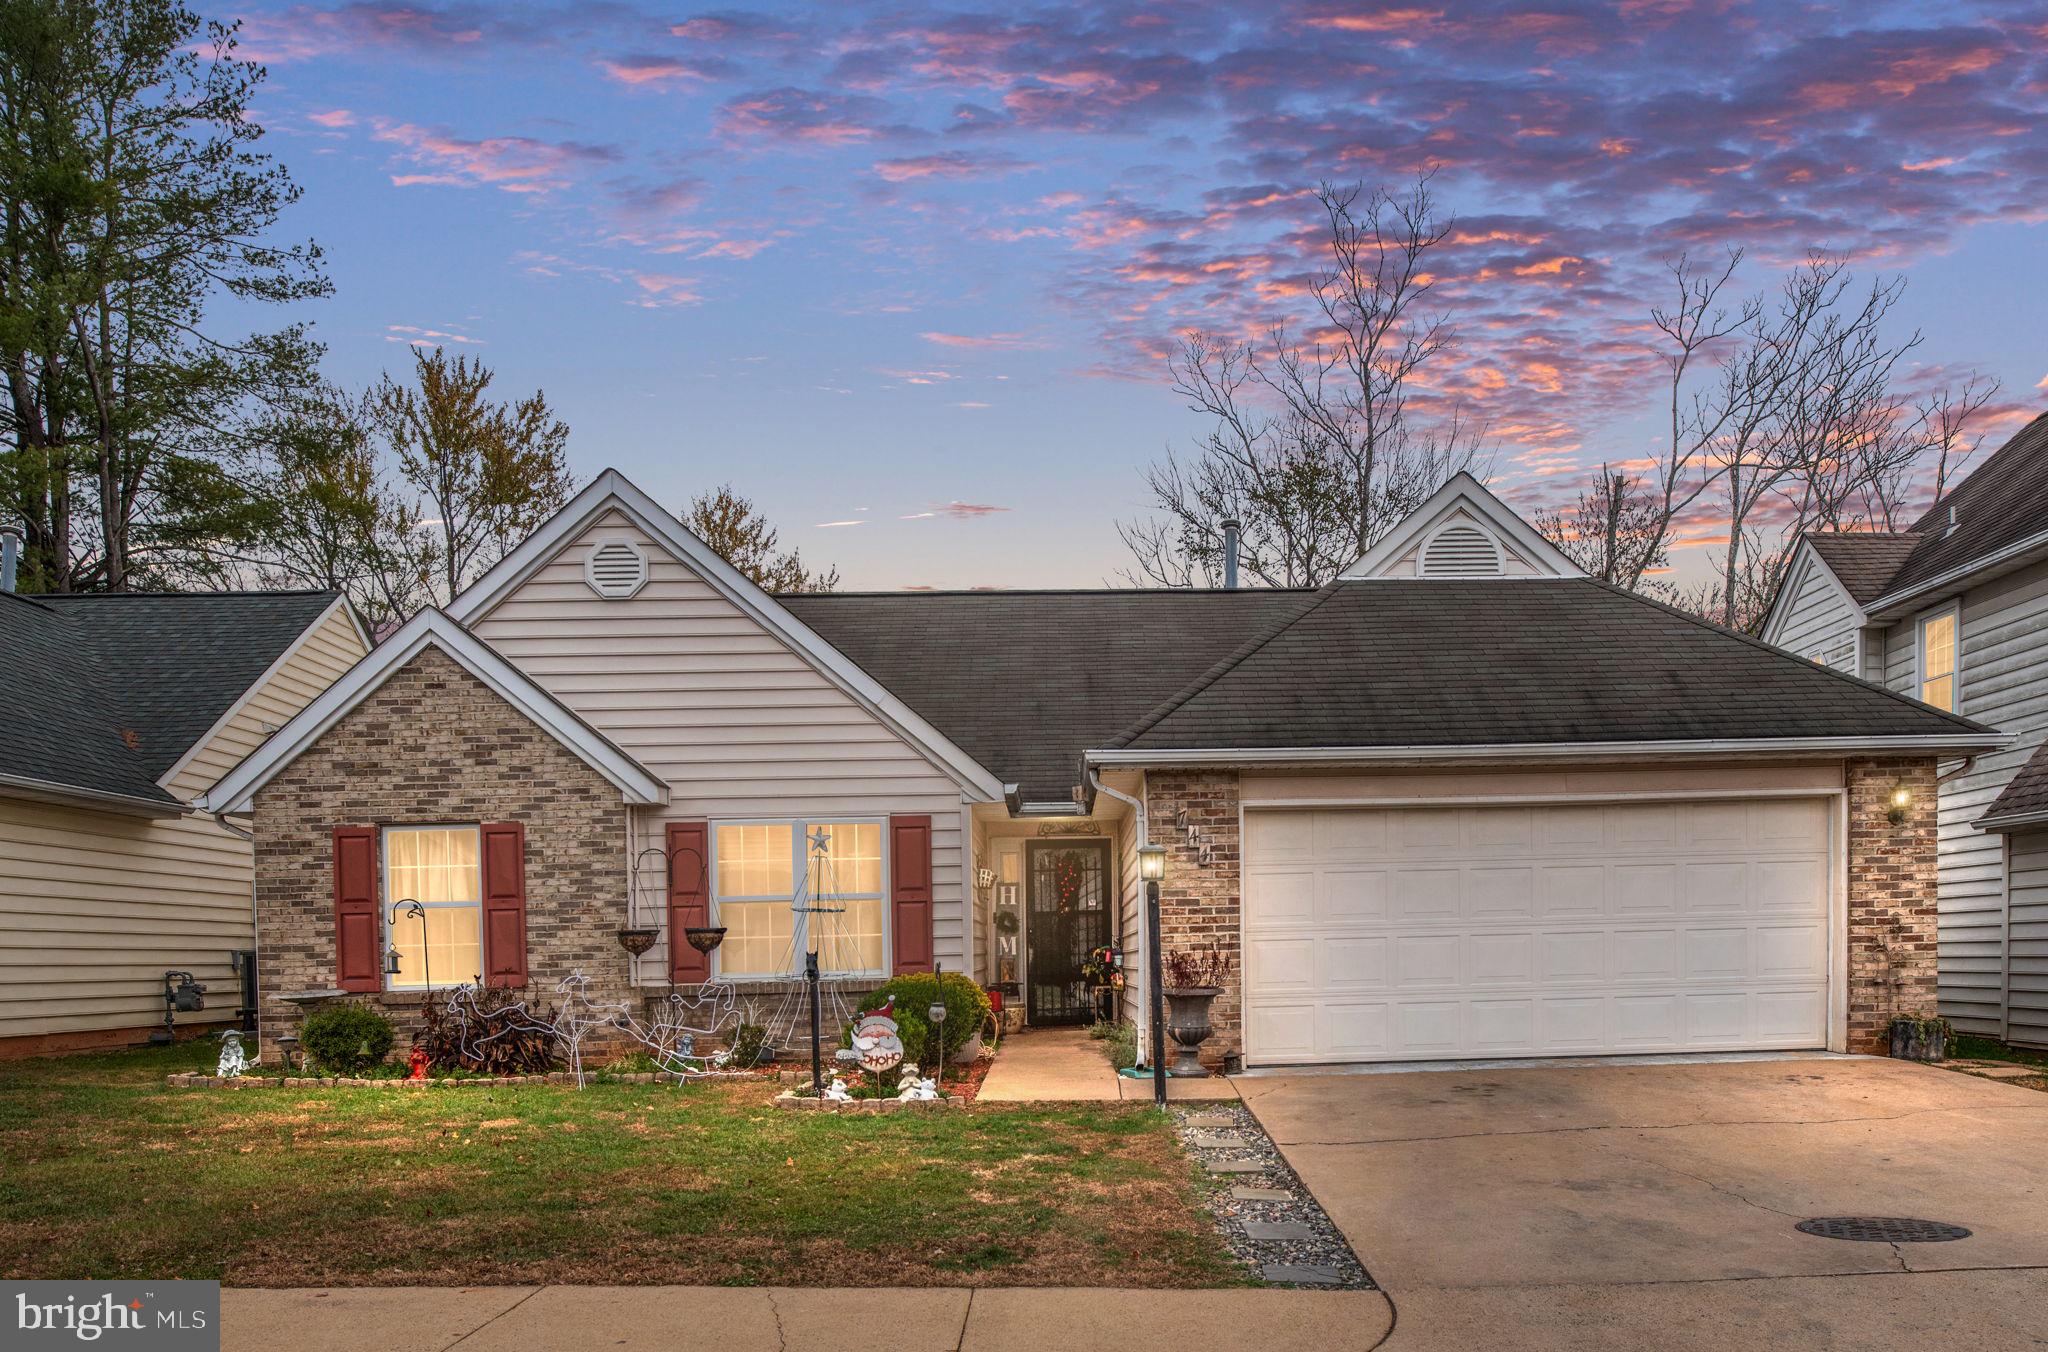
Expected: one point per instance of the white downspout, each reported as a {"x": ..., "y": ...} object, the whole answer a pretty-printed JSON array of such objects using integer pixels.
[{"x": 1144, "y": 838}]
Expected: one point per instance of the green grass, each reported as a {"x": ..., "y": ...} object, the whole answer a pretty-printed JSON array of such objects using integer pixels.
[
  {"x": 1971, "y": 1047},
  {"x": 105, "y": 1173},
  {"x": 1118, "y": 1041}
]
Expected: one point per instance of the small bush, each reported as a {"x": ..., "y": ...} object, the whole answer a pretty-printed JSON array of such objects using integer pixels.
[
  {"x": 346, "y": 1039},
  {"x": 967, "y": 1009},
  {"x": 749, "y": 1046},
  {"x": 1119, "y": 1042},
  {"x": 489, "y": 1030}
]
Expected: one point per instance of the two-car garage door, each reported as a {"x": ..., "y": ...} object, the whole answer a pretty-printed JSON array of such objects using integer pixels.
[{"x": 1383, "y": 934}]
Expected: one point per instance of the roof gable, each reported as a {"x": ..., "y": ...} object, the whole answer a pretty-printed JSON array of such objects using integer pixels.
[
  {"x": 612, "y": 492},
  {"x": 1462, "y": 531},
  {"x": 432, "y": 628}
]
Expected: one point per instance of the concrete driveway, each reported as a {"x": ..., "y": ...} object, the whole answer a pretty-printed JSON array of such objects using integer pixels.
[{"x": 1652, "y": 1206}]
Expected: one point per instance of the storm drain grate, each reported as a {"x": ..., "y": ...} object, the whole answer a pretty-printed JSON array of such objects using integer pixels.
[{"x": 1882, "y": 1229}]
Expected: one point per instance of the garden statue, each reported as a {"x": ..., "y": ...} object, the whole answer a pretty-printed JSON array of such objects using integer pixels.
[
  {"x": 836, "y": 1092},
  {"x": 416, "y": 1064},
  {"x": 233, "y": 1060},
  {"x": 911, "y": 1089}
]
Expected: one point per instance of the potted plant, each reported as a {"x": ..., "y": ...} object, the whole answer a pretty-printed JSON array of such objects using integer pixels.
[
  {"x": 1919, "y": 1037},
  {"x": 1193, "y": 980}
]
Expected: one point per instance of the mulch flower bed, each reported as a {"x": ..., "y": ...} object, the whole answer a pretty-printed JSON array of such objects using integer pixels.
[{"x": 559, "y": 1077}]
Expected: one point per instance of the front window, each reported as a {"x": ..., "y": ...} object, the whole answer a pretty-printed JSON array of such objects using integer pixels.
[
  {"x": 1938, "y": 660},
  {"x": 440, "y": 867},
  {"x": 761, "y": 868}
]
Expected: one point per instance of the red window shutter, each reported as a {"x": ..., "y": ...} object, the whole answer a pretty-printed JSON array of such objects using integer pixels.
[
  {"x": 689, "y": 897},
  {"x": 910, "y": 892},
  {"x": 355, "y": 909},
  {"x": 504, "y": 883}
]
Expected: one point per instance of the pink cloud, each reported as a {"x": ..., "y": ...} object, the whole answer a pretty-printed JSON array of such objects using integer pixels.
[
  {"x": 520, "y": 164},
  {"x": 998, "y": 341},
  {"x": 339, "y": 117},
  {"x": 949, "y": 164}
]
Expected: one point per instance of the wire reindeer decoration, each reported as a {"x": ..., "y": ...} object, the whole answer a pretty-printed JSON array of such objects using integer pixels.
[{"x": 669, "y": 1037}]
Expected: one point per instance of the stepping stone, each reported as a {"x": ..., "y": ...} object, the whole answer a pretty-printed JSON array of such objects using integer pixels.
[
  {"x": 1216, "y": 1140},
  {"x": 1276, "y": 1230},
  {"x": 1211, "y": 1122},
  {"x": 1299, "y": 1275},
  {"x": 2008, "y": 1072},
  {"x": 1260, "y": 1195},
  {"x": 1234, "y": 1166}
]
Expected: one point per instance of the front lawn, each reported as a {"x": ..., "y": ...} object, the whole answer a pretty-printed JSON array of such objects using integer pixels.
[{"x": 106, "y": 1173}]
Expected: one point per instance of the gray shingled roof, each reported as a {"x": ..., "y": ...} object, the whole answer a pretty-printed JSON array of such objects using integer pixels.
[
  {"x": 2027, "y": 793},
  {"x": 2000, "y": 502},
  {"x": 1025, "y": 681},
  {"x": 1436, "y": 663},
  {"x": 108, "y": 691},
  {"x": 1863, "y": 561}
]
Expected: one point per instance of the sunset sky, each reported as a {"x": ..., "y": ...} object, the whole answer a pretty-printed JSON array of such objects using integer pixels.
[{"x": 907, "y": 273}]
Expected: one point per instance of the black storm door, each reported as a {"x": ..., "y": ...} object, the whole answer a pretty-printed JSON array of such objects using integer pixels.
[{"x": 1068, "y": 913}]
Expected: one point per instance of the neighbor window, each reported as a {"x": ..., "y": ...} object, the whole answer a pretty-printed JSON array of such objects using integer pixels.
[
  {"x": 759, "y": 869},
  {"x": 1938, "y": 660},
  {"x": 440, "y": 868}
]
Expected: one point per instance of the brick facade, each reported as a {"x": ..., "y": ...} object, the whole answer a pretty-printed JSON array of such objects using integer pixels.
[
  {"x": 1198, "y": 902},
  {"x": 1892, "y": 911},
  {"x": 1890, "y": 883},
  {"x": 434, "y": 745}
]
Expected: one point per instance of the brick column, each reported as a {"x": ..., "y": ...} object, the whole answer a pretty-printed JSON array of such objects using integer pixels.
[
  {"x": 1199, "y": 901},
  {"x": 1892, "y": 909}
]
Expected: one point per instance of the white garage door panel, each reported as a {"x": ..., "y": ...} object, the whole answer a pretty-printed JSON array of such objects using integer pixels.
[{"x": 1420, "y": 933}]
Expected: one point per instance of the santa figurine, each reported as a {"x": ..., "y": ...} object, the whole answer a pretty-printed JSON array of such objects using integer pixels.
[{"x": 876, "y": 1040}]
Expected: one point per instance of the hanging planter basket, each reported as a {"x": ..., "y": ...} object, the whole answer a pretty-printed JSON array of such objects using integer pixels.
[
  {"x": 638, "y": 939},
  {"x": 704, "y": 938}
]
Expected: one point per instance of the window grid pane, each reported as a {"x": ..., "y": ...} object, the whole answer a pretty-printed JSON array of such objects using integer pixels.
[
  {"x": 759, "y": 938},
  {"x": 754, "y": 860},
  {"x": 851, "y": 943},
  {"x": 853, "y": 858},
  {"x": 439, "y": 867}
]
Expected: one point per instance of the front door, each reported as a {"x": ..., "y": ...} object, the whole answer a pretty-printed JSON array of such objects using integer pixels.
[{"x": 1067, "y": 914}]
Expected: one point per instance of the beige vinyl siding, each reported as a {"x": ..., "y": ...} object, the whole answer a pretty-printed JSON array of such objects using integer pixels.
[
  {"x": 2027, "y": 982},
  {"x": 95, "y": 906},
  {"x": 1818, "y": 620},
  {"x": 739, "y": 724},
  {"x": 2003, "y": 681}
]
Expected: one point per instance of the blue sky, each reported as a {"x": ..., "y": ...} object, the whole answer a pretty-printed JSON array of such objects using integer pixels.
[{"x": 915, "y": 266}]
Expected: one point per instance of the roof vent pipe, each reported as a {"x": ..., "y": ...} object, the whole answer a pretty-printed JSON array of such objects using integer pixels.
[
  {"x": 10, "y": 555},
  {"x": 1230, "y": 529}
]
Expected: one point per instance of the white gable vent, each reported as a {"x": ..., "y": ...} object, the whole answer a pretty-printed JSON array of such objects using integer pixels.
[
  {"x": 616, "y": 569},
  {"x": 1461, "y": 550}
]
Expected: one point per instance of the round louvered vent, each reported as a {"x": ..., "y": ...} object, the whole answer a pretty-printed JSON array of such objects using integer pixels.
[
  {"x": 1461, "y": 551},
  {"x": 616, "y": 569}
]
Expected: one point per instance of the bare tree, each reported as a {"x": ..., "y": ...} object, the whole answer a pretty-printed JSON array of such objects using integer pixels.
[
  {"x": 1619, "y": 530},
  {"x": 1313, "y": 447}
]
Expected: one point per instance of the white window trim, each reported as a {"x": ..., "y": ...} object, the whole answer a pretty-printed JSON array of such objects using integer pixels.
[
  {"x": 1453, "y": 522},
  {"x": 387, "y": 901},
  {"x": 1953, "y": 609},
  {"x": 799, "y": 861}
]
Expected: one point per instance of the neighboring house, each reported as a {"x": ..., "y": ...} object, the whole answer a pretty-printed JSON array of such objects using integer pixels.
[
  {"x": 1462, "y": 802},
  {"x": 120, "y": 710},
  {"x": 1955, "y": 612}
]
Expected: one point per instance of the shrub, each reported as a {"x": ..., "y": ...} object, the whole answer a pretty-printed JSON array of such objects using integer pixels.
[
  {"x": 967, "y": 1009},
  {"x": 1119, "y": 1042},
  {"x": 489, "y": 1030},
  {"x": 749, "y": 1046},
  {"x": 346, "y": 1039}
]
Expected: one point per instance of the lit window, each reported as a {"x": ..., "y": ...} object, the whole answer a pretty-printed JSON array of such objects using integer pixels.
[
  {"x": 759, "y": 870},
  {"x": 1938, "y": 660},
  {"x": 440, "y": 868}
]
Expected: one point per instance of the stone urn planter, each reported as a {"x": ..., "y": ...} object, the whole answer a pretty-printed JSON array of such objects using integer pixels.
[
  {"x": 1187, "y": 1023},
  {"x": 1919, "y": 1039}
]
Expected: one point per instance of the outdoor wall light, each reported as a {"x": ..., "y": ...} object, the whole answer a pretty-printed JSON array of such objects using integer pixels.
[
  {"x": 1152, "y": 862},
  {"x": 1902, "y": 799}
]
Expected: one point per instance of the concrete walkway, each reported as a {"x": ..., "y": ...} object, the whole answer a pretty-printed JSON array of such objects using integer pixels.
[
  {"x": 727, "y": 1319},
  {"x": 1065, "y": 1065}
]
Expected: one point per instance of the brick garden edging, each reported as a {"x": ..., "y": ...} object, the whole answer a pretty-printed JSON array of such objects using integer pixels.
[{"x": 807, "y": 1103}]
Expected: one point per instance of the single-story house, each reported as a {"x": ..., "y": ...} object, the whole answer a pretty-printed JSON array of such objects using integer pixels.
[
  {"x": 1955, "y": 612},
  {"x": 121, "y": 710},
  {"x": 1461, "y": 802}
]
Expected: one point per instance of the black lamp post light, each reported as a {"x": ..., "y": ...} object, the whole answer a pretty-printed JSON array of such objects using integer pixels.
[
  {"x": 412, "y": 910},
  {"x": 1152, "y": 868}
]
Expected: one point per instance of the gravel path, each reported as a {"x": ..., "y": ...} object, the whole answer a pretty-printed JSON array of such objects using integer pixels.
[{"x": 1265, "y": 1214}]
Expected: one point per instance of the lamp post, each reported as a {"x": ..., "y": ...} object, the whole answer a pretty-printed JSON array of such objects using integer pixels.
[
  {"x": 936, "y": 1015},
  {"x": 1152, "y": 868}
]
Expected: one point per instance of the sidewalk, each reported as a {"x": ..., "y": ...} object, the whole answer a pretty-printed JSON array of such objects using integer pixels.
[
  {"x": 728, "y": 1319},
  {"x": 1065, "y": 1065}
]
